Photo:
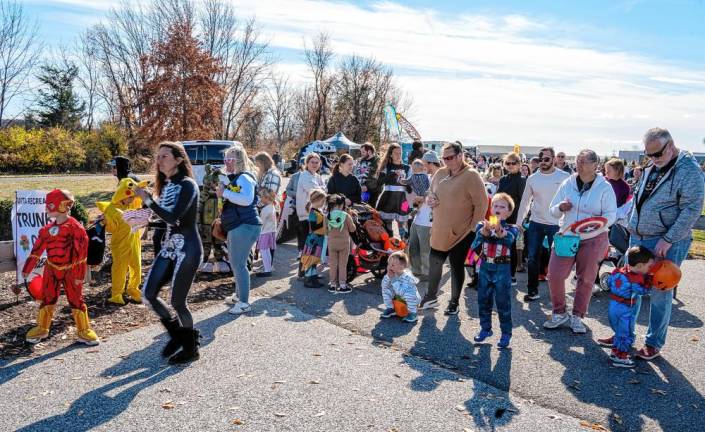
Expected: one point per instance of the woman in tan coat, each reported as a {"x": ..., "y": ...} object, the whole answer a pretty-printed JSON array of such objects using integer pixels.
[{"x": 459, "y": 201}]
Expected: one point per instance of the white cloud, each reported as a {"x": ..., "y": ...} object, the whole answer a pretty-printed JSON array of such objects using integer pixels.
[{"x": 501, "y": 79}]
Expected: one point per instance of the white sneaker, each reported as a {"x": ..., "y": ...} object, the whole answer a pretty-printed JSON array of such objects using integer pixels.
[
  {"x": 430, "y": 304},
  {"x": 240, "y": 308},
  {"x": 576, "y": 324},
  {"x": 231, "y": 300},
  {"x": 556, "y": 321}
]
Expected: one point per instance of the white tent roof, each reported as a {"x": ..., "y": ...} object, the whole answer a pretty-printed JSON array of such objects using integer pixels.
[{"x": 339, "y": 140}]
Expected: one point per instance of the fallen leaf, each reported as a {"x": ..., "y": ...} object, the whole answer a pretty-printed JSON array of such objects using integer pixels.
[
  {"x": 240, "y": 376},
  {"x": 76, "y": 378},
  {"x": 168, "y": 405},
  {"x": 317, "y": 354},
  {"x": 94, "y": 350},
  {"x": 617, "y": 418},
  {"x": 320, "y": 414},
  {"x": 460, "y": 408},
  {"x": 634, "y": 381},
  {"x": 165, "y": 390},
  {"x": 314, "y": 382},
  {"x": 237, "y": 422},
  {"x": 279, "y": 382},
  {"x": 694, "y": 339},
  {"x": 554, "y": 417},
  {"x": 397, "y": 375},
  {"x": 658, "y": 392},
  {"x": 279, "y": 414}
]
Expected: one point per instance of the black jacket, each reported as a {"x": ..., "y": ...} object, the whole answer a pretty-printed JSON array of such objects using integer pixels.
[
  {"x": 348, "y": 186},
  {"x": 513, "y": 184}
]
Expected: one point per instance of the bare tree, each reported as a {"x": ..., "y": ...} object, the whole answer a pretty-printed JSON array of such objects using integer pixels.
[
  {"x": 19, "y": 52},
  {"x": 279, "y": 106},
  {"x": 318, "y": 59},
  {"x": 361, "y": 91},
  {"x": 88, "y": 78}
]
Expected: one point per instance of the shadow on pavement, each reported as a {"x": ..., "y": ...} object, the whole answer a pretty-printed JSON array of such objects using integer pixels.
[{"x": 135, "y": 372}]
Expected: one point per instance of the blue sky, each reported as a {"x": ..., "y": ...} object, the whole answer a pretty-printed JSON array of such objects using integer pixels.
[{"x": 571, "y": 74}]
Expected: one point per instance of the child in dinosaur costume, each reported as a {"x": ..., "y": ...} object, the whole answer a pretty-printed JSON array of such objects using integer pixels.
[
  {"x": 125, "y": 245},
  {"x": 66, "y": 244}
]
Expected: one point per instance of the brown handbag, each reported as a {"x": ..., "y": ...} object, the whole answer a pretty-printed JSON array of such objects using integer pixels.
[{"x": 217, "y": 230}]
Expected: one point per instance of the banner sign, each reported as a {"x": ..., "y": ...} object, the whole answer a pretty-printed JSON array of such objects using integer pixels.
[{"x": 28, "y": 217}]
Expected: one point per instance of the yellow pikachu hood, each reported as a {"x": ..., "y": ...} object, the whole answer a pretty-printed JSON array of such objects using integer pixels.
[{"x": 126, "y": 189}]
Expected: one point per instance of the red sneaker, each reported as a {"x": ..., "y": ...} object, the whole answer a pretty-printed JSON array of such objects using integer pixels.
[
  {"x": 648, "y": 353},
  {"x": 606, "y": 342},
  {"x": 542, "y": 278}
]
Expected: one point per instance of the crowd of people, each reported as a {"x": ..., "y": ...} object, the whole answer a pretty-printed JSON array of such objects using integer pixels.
[{"x": 487, "y": 216}]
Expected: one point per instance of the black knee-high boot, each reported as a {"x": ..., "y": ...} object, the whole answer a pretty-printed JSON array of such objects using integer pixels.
[
  {"x": 172, "y": 327},
  {"x": 189, "y": 339}
]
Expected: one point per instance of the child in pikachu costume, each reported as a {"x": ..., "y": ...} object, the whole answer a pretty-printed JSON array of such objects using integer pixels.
[{"x": 126, "y": 246}]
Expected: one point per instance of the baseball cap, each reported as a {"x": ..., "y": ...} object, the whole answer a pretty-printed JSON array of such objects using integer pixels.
[{"x": 431, "y": 157}]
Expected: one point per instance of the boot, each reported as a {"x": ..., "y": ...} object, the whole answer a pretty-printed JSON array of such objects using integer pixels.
[
  {"x": 172, "y": 327},
  {"x": 189, "y": 339},
  {"x": 41, "y": 330},
  {"x": 117, "y": 299},
  {"x": 135, "y": 295},
  {"x": 83, "y": 327},
  {"x": 312, "y": 282}
]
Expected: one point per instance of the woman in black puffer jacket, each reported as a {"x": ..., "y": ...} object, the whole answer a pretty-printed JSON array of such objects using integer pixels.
[{"x": 513, "y": 184}]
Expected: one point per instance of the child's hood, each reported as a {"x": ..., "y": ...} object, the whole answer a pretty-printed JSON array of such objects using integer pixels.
[{"x": 406, "y": 278}]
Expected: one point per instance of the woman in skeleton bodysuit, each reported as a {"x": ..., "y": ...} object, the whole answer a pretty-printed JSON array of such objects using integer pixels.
[{"x": 180, "y": 255}]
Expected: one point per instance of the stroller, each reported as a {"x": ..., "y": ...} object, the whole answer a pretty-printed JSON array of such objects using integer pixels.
[
  {"x": 615, "y": 257},
  {"x": 373, "y": 243}
]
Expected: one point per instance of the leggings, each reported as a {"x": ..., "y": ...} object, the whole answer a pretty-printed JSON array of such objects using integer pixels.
[
  {"x": 301, "y": 234},
  {"x": 457, "y": 255},
  {"x": 163, "y": 269}
]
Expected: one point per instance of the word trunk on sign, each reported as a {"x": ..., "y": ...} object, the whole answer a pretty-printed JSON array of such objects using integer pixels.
[{"x": 28, "y": 217}]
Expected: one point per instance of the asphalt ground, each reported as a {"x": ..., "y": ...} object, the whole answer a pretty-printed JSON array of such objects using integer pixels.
[{"x": 275, "y": 369}]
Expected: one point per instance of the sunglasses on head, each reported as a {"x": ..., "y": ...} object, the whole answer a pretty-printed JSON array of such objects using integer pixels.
[{"x": 657, "y": 154}]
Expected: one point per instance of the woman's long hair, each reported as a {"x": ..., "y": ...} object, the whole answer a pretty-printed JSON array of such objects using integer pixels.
[
  {"x": 265, "y": 160},
  {"x": 343, "y": 158},
  {"x": 184, "y": 168},
  {"x": 387, "y": 158}
]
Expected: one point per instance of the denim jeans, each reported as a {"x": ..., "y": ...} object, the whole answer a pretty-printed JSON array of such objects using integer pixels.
[
  {"x": 240, "y": 243},
  {"x": 534, "y": 244},
  {"x": 495, "y": 284},
  {"x": 661, "y": 301}
]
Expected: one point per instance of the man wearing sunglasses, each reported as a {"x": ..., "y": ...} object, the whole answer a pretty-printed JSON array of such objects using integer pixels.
[
  {"x": 538, "y": 193},
  {"x": 561, "y": 164},
  {"x": 668, "y": 202}
]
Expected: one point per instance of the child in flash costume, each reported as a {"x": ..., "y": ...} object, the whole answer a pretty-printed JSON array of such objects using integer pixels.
[
  {"x": 209, "y": 211},
  {"x": 125, "y": 244},
  {"x": 177, "y": 262},
  {"x": 66, "y": 244}
]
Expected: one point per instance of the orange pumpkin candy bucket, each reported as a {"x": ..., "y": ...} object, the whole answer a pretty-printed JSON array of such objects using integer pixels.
[
  {"x": 400, "y": 306},
  {"x": 665, "y": 275}
]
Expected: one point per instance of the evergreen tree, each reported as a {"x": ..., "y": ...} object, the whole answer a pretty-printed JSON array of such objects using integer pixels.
[{"x": 59, "y": 105}]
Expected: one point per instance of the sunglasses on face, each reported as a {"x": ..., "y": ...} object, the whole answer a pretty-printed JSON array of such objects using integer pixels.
[
  {"x": 560, "y": 156},
  {"x": 546, "y": 159},
  {"x": 657, "y": 154},
  {"x": 511, "y": 163},
  {"x": 449, "y": 158}
]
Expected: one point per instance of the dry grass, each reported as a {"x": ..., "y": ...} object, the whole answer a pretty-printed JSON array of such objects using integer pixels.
[{"x": 87, "y": 189}]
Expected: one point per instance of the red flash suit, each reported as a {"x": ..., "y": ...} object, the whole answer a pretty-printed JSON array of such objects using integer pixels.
[{"x": 66, "y": 246}]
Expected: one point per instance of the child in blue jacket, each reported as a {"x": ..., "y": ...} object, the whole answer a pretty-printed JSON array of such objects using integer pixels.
[{"x": 493, "y": 243}]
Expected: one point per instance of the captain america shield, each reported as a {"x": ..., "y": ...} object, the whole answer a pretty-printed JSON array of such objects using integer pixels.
[{"x": 590, "y": 227}]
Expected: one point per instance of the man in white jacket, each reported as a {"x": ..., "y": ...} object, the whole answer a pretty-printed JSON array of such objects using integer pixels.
[
  {"x": 539, "y": 191},
  {"x": 583, "y": 195}
]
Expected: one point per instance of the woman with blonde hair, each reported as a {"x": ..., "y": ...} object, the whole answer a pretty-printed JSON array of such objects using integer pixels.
[
  {"x": 309, "y": 179},
  {"x": 240, "y": 220}
]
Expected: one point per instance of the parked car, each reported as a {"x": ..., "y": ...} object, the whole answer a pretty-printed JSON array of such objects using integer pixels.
[{"x": 204, "y": 152}]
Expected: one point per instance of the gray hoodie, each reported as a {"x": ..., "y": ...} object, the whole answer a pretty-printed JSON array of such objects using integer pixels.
[{"x": 675, "y": 203}]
